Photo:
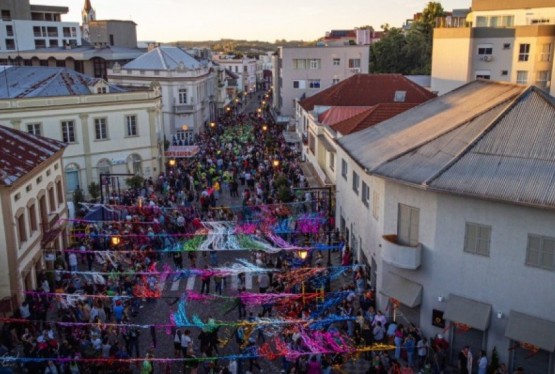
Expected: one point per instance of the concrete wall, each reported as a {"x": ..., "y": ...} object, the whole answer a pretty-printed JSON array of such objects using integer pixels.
[
  {"x": 451, "y": 57},
  {"x": 124, "y": 33},
  {"x": 326, "y": 73},
  {"x": 19, "y": 9}
]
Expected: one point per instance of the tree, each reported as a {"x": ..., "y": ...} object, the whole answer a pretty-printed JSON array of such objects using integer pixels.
[
  {"x": 135, "y": 182},
  {"x": 427, "y": 21},
  {"x": 386, "y": 56},
  {"x": 94, "y": 190},
  {"x": 78, "y": 198},
  {"x": 494, "y": 364}
]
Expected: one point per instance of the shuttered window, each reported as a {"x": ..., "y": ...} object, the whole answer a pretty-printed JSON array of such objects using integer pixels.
[
  {"x": 407, "y": 225},
  {"x": 477, "y": 239}
]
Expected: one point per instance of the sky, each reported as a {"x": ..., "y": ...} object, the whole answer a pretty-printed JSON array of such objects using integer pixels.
[{"x": 171, "y": 20}]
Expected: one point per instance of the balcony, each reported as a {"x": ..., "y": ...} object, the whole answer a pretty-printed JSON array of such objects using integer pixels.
[
  {"x": 183, "y": 109},
  {"x": 401, "y": 256}
]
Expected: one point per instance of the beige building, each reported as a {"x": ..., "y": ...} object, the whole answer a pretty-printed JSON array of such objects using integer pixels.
[
  {"x": 506, "y": 41},
  {"x": 107, "y": 129},
  {"x": 33, "y": 207},
  {"x": 302, "y": 72}
]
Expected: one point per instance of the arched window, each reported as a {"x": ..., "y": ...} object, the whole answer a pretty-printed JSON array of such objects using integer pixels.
[
  {"x": 104, "y": 167},
  {"x": 72, "y": 177}
]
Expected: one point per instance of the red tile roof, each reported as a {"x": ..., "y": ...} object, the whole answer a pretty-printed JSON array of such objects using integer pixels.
[
  {"x": 22, "y": 152},
  {"x": 368, "y": 90},
  {"x": 370, "y": 117},
  {"x": 340, "y": 113}
]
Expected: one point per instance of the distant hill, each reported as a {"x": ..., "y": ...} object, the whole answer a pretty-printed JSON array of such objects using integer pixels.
[{"x": 244, "y": 47}]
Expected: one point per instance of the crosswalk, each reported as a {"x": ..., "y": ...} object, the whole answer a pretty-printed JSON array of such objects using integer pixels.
[{"x": 193, "y": 283}]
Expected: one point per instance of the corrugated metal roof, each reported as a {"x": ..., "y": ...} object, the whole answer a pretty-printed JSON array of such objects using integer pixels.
[
  {"x": 164, "y": 58},
  {"x": 39, "y": 81},
  {"x": 485, "y": 139},
  {"x": 22, "y": 152}
]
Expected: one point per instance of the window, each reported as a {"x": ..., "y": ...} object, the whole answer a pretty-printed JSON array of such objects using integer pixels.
[
  {"x": 546, "y": 52},
  {"x": 481, "y": 21},
  {"x": 10, "y": 44},
  {"x": 72, "y": 179},
  {"x": 311, "y": 143},
  {"x": 375, "y": 204},
  {"x": 182, "y": 93},
  {"x": 483, "y": 75},
  {"x": 100, "y": 129},
  {"x": 506, "y": 45},
  {"x": 408, "y": 225},
  {"x": 6, "y": 15},
  {"x": 299, "y": 63},
  {"x": 332, "y": 161},
  {"x": 131, "y": 125},
  {"x": 51, "y": 199},
  {"x": 354, "y": 63},
  {"x": 299, "y": 84},
  {"x": 314, "y": 83},
  {"x": 508, "y": 21},
  {"x": 485, "y": 50},
  {"x": 9, "y": 30},
  {"x": 335, "y": 81},
  {"x": 400, "y": 96},
  {"x": 523, "y": 52},
  {"x": 68, "y": 131},
  {"x": 494, "y": 21},
  {"x": 59, "y": 192},
  {"x": 521, "y": 77},
  {"x": 21, "y": 229},
  {"x": 315, "y": 63},
  {"x": 542, "y": 79},
  {"x": 477, "y": 239},
  {"x": 34, "y": 128},
  {"x": 111, "y": 39},
  {"x": 540, "y": 252},
  {"x": 28, "y": 188},
  {"x": 365, "y": 196},
  {"x": 33, "y": 218},
  {"x": 336, "y": 62},
  {"x": 504, "y": 72},
  {"x": 101, "y": 90},
  {"x": 355, "y": 182},
  {"x": 344, "y": 169}
]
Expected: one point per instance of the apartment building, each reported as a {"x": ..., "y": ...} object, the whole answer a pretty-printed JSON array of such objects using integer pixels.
[
  {"x": 450, "y": 206},
  {"x": 509, "y": 41},
  {"x": 248, "y": 70},
  {"x": 24, "y": 26},
  {"x": 107, "y": 129},
  {"x": 301, "y": 72},
  {"x": 33, "y": 209}
]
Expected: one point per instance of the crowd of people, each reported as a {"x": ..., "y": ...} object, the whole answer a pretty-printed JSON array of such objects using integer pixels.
[{"x": 87, "y": 303}]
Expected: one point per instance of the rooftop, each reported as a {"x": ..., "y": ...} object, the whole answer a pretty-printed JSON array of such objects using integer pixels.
[
  {"x": 22, "y": 152},
  {"x": 485, "y": 139},
  {"x": 369, "y": 90},
  {"x": 165, "y": 58},
  {"x": 39, "y": 81}
]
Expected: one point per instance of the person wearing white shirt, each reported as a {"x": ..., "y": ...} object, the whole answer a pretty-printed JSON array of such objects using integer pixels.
[{"x": 72, "y": 259}]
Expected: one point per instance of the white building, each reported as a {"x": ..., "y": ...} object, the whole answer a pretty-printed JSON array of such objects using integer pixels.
[
  {"x": 451, "y": 204},
  {"x": 25, "y": 26},
  {"x": 107, "y": 129},
  {"x": 301, "y": 72},
  {"x": 510, "y": 41},
  {"x": 351, "y": 105},
  {"x": 245, "y": 68},
  {"x": 188, "y": 88},
  {"x": 33, "y": 207}
]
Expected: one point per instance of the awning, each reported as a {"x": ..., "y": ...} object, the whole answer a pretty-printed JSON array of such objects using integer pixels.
[
  {"x": 407, "y": 292},
  {"x": 327, "y": 145},
  {"x": 532, "y": 330},
  {"x": 182, "y": 151},
  {"x": 470, "y": 312}
]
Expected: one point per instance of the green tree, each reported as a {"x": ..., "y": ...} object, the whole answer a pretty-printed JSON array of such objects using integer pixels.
[
  {"x": 94, "y": 190},
  {"x": 427, "y": 21},
  {"x": 387, "y": 55},
  {"x": 135, "y": 182}
]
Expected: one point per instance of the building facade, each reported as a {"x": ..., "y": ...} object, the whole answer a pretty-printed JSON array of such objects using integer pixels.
[
  {"x": 26, "y": 27},
  {"x": 33, "y": 209},
  {"x": 248, "y": 70},
  {"x": 187, "y": 85},
  {"x": 504, "y": 41},
  {"x": 107, "y": 129},
  {"x": 302, "y": 72},
  {"x": 455, "y": 242}
]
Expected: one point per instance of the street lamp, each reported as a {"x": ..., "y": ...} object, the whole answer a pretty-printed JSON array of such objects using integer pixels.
[
  {"x": 264, "y": 127},
  {"x": 302, "y": 253},
  {"x": 115, "y": 240},
  {"x": 275, "y": 163},
  {"x": 171, "y": 162}
]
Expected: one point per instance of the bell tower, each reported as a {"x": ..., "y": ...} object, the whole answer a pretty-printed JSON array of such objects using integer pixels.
[{"x": 88, "y": 14}]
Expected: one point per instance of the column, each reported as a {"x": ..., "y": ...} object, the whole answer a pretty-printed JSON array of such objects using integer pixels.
[{"x": 85, "y": 138}]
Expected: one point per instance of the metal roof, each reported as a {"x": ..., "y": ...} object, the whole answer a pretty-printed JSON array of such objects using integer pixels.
[
  {"x": 164, "y": 58},
  {"x": 22, "y": 152},
  {"x": 485, "y": 139},
  {"x": 39, "y": 81}
]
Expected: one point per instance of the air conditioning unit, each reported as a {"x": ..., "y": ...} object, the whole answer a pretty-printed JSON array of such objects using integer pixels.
[
  {"x": 486, "y": 58},
  {"x": 355, "y": 70}
]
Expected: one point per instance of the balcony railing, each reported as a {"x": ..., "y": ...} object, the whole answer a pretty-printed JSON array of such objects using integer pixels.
[
  {"x": 399, "y": 255},
  {"x": 183, "y": 108}
]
